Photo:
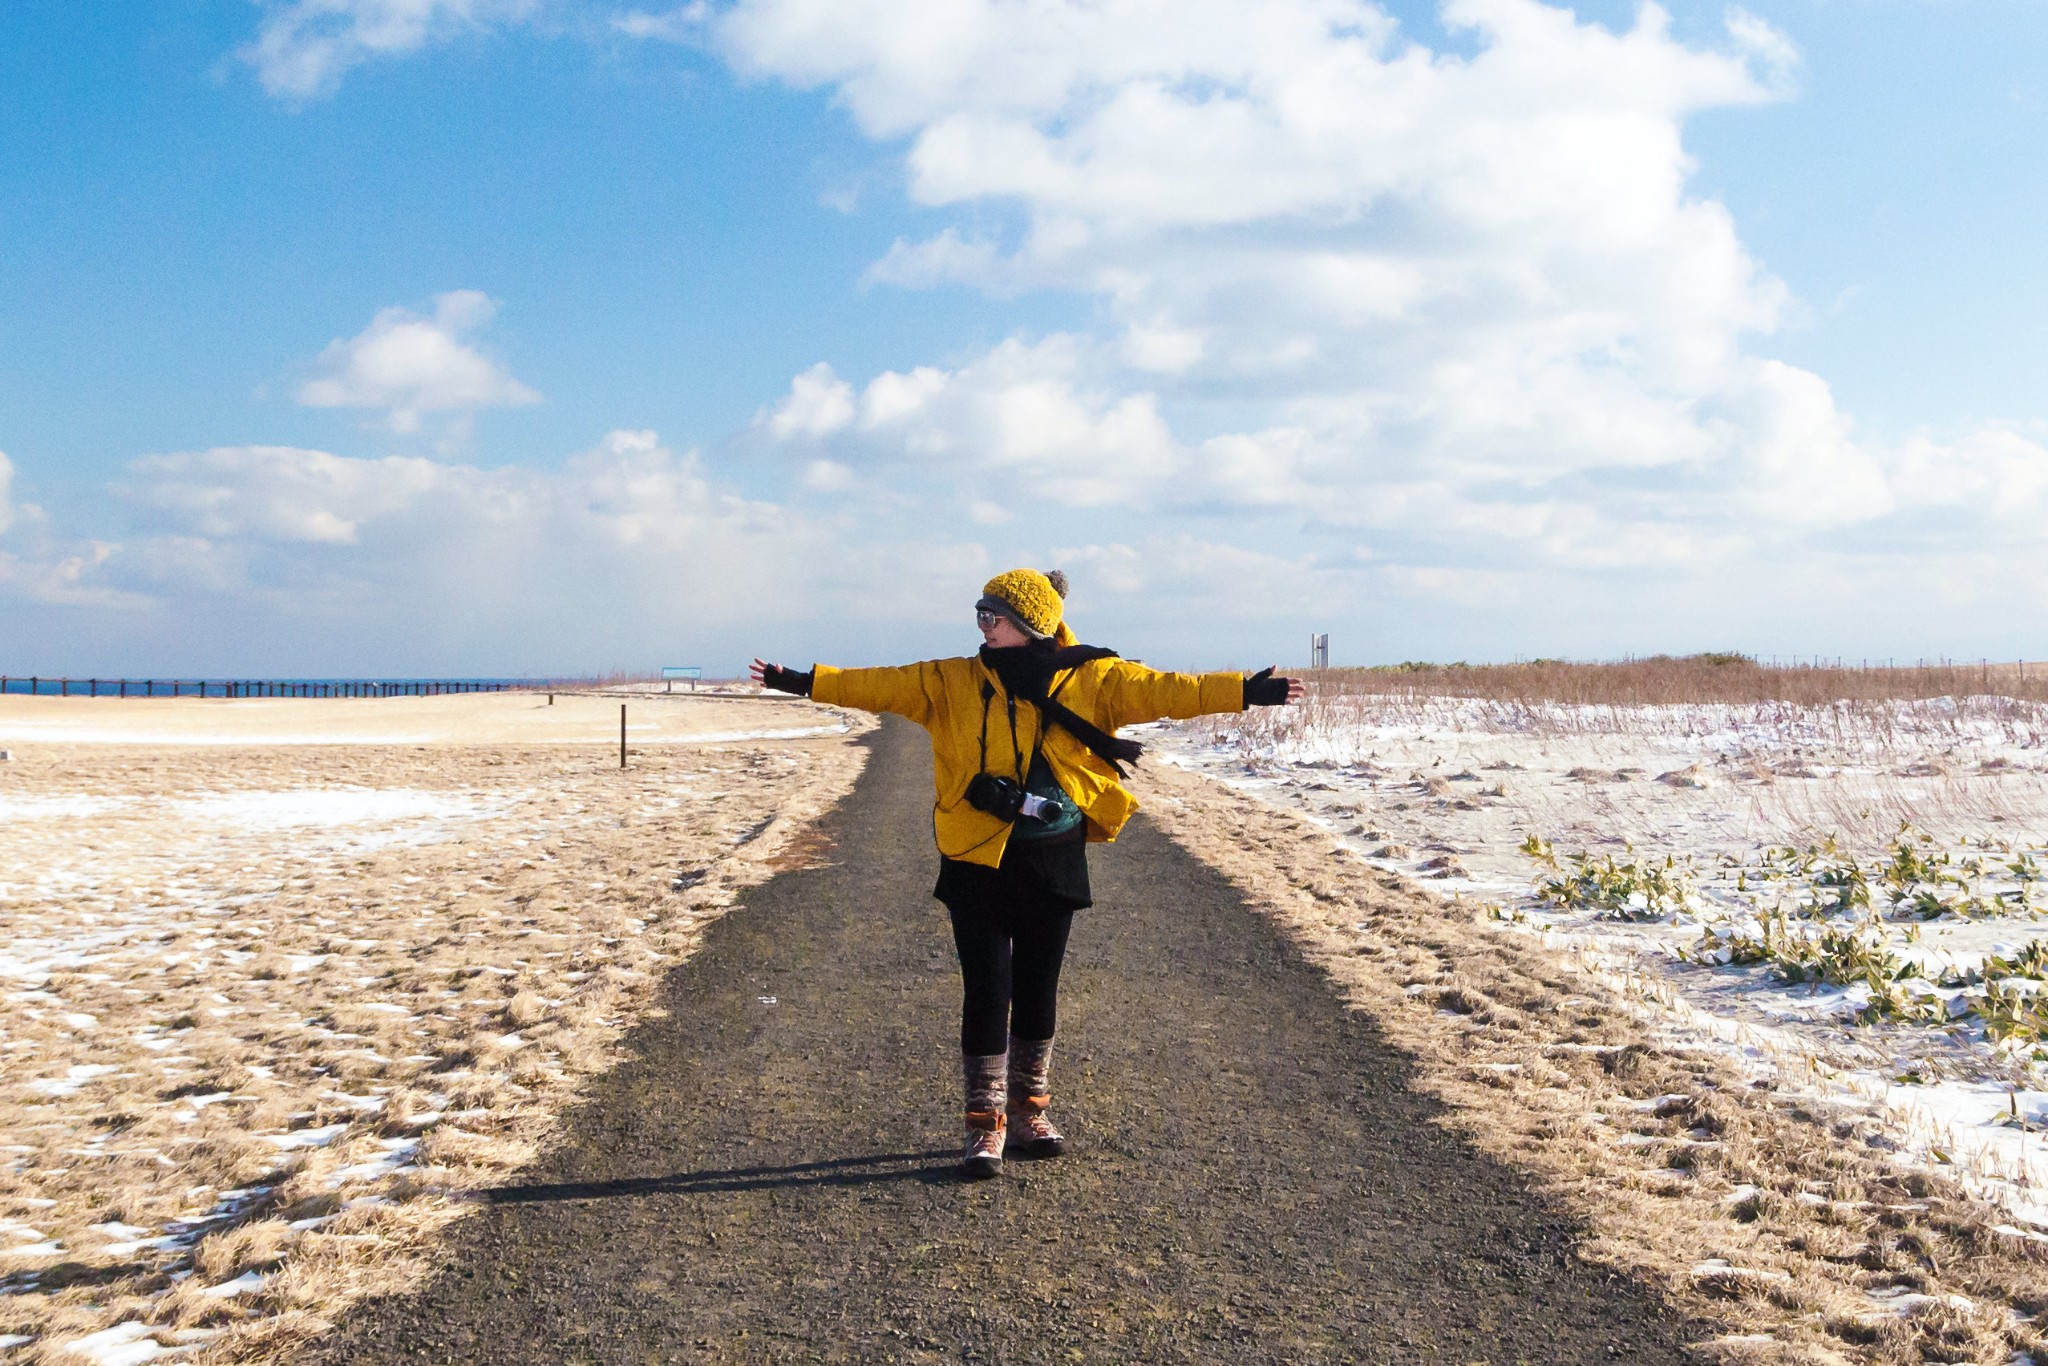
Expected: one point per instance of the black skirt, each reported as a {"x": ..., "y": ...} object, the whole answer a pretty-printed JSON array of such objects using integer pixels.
[{"x": 1053, "y": 873}]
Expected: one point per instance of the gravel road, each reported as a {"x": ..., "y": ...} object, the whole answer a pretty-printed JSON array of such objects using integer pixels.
[{"x": 769, "y": 1176}]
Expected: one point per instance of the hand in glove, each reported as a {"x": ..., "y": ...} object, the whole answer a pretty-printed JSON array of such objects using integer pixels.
[
  {"x": 1263, "y": 690},
  {"x": 781, "y": 679}
]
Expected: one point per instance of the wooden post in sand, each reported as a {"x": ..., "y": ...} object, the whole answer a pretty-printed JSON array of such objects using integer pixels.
[{"x": 622, "y": 735}]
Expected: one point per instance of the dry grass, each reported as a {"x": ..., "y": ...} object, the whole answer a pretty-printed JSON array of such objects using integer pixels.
[
  {"x": 1842, "y": 710},
  {"x": 1708, "y": 678},
  {"x": 300, "y": 1040},
  {"x": 1785, "y": 1223}
]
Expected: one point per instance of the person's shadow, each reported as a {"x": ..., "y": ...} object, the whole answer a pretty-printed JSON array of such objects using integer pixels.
[{"x": 932, "y": 1168}]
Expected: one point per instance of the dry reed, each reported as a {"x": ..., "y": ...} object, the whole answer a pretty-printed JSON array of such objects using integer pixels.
[{"x": 1704, "y": 678}]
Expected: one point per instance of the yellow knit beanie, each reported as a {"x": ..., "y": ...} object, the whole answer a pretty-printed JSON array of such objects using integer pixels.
[{"x": 1033, "y": 598}]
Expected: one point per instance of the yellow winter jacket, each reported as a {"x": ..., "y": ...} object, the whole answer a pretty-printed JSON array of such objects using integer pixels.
[{"x": 945, "y": 697}]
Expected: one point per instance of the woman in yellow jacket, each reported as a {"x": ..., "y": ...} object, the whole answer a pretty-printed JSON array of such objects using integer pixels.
[{"x": 1026, "y": 762}]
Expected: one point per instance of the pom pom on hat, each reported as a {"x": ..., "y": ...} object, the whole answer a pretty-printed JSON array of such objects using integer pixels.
[{"x": 1034, "y": 599}]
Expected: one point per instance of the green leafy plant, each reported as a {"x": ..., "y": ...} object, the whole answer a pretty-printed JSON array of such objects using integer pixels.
[
  {"x": 1617, "y": 888},
  {"x": 2011, "y": 1012}
]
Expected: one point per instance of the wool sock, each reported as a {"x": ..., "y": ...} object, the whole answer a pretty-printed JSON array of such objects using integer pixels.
[
  {"x": 984, "y": 1075},
  {"x": 1030, "y": 1067}
]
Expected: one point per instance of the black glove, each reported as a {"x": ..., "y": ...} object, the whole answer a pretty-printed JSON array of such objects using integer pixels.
[
  {"x": 789, "y": 680},
  {"x": 1263, "y": 690}
]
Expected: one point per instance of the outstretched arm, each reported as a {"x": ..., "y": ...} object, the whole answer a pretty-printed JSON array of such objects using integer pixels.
[
  {"x": 916, "y": 691},
  {"x": 1137, "y": 694}
]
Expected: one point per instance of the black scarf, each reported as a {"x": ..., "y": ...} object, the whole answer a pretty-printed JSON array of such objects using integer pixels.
[{"x": 1027, "y": 671}]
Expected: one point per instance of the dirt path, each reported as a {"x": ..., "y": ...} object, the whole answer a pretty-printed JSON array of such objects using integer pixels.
[{"x": 770, "y": 1176}]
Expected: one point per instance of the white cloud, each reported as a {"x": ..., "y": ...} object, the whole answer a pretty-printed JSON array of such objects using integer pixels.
[
  {"x": 1463, "y": 304},
  {"x": 37, "y": 567},
  {"x": 1446, "y": 334},
  {"x": 304, "y": 47},
  {"x": 828, "y": 476},
  {"x": 628, "y": 553},
  {"x": 947, "y": 258},
  {"x": 1190, "y": 578},
  {"x": 1771, "y": 47},
  {"x": 1019, "y": 423},
  {"x": 818, "y": 404},
  {"x": 1163, "y": 349},
  {"x": 984, "y": 513},
  {"x": 682, "y": 24},
  {"x": 411, "y": 366},
  {"x": 276, "y": 494},
  {"x": 626, "y": 546}
]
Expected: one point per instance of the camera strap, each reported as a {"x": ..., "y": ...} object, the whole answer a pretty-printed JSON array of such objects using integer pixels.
[{"x": 988, "y": 693}]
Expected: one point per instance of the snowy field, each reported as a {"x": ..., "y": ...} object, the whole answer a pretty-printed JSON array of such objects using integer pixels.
[
  {"x": 1846, "y": 896},
  {"x": 267, "y": 1010}
]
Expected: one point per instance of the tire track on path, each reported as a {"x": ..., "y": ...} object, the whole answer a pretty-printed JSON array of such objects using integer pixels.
[{"x": 768, "y": 1177}]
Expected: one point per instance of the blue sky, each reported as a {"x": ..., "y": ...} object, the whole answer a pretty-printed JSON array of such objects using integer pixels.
[{"x": 484, "y": 336}]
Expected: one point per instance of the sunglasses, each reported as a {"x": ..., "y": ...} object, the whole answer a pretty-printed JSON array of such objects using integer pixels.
[{"x": 986, "y": 619}]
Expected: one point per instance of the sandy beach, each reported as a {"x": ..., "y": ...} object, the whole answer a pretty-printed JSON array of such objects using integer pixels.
[{"x": 508, "y": 718}]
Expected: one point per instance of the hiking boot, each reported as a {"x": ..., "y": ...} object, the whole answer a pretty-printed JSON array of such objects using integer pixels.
[
  {"x": 1031, "y": 1133},
  {"x": 984, "y": 1155},
  {"x": 1029, "y": 1092},
  {"x": 985, "y": 1077}
]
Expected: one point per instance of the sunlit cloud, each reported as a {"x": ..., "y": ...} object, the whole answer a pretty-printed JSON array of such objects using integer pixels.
[{"x": 411, "y": 366}]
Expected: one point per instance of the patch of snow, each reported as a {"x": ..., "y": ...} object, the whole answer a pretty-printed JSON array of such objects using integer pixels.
[
  {"x": 114, "y": 1228},
  {"x": 397, "y": 1155},
  {"x": 68, "y": 1084},
  {"x": 23, "y": 807},
  {"x": 49, "y": 1247},
  {"x": 318, "y": 1137},
  {"x": 331, "y": 806},
  {"x": 246, "y": 1283},
  {"x": 1898, "y": 1299},
  {"x": 125, "y": 1344},
  {"x": 1715, "y": 1268},
  {"x": 786, "y": 733}
]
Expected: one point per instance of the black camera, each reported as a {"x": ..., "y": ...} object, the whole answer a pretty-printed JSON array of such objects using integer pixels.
[{"x": 1000, "y": 797}]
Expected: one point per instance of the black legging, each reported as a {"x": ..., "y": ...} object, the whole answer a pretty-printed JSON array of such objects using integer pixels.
[{"x": 1010, "y": 959}]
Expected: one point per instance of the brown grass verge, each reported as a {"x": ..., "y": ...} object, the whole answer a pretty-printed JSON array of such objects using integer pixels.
[
  {"x": 415, "y": 1003},
  {"x": 1703, "y": 678},
  {"x": 1790, "y": 1226}
]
